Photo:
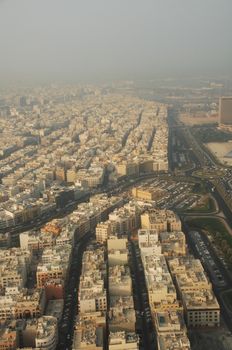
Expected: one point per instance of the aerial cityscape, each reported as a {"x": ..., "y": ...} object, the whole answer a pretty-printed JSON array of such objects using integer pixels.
[
  {"x": 115, "y": 175},
  {"x": 115, "y": 221}
]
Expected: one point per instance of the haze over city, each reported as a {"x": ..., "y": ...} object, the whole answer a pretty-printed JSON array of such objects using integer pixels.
[{"x": 110, "y": 40}]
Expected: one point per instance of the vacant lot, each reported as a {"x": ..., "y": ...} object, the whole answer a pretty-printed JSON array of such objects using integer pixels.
[
  {"x": 197, "y": 120},
  {"x": 221, "y": 151}
]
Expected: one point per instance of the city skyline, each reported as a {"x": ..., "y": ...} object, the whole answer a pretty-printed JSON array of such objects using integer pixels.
[{"x": 106, "y": 194}]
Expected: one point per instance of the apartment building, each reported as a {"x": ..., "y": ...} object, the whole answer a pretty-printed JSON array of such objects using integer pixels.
[
  {"x": 160, "y": 220},
  {"x": 200, "y": 304},
  {"x": 123, "y": 341}
]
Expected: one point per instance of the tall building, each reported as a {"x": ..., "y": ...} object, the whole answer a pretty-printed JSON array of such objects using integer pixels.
[
  {"x": 22, "y": 101},
  {"x": 225, "y": 110}
]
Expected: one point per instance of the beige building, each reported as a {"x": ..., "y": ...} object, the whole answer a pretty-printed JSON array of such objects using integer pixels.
[
  {"x": 200, "y": 304},
  {"x": 117, "y": 251},
  {"x": 46, "y": 333},
  {"x": 92, "y": 296},
  {"x": 60, "y": 173},
  {"x": 225, "y": 110},
  {"x": 120, "y": 283},
  {"x": 173, "y": 341},
  {"x": 149, "y": 242},
  {"x": 71, "y": 175},
  {"x": 161, "y": 220},
  {"x": 123, "y": 341},
  {"x": 147, "y": 193},
  {"x": 201, "y": 308},
  {"x": 171, "y": 330},
  {"x": 161, "y": 290},
  {"x": 117, "y": 257},
  {"x": 54, "y": 264},
  {"x": 50, "y": 272},
  {"x": 114, "y": 242},
  {"x": 121, "y": 314},
  {"x": 92, "y": 293},
  {"x": 103, "y": 231},
  {"x": 14, "y": 267},
  {"x": 169, "y": 321},
  {"x": 173, "y": 243},
  {"x": 40, "y": 333},
  {"x": 89, "y": 335},
  {"x": 146, "y": 166},
  {"x": 127, "y": 169},
  {"x": 19, "y": 304},
  {"x": 125, "y": 219}
]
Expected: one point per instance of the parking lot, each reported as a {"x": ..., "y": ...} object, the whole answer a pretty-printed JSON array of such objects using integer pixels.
[
  {"x": 208, "y": 260},
  {"x": 176, "y": 195}
]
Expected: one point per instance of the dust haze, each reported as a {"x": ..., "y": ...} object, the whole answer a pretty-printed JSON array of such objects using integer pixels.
[{"x": 84, "y": 40}]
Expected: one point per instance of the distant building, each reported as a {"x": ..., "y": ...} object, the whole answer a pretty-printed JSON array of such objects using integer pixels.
[
  {"x": 71, "y": 175},
  {"x": 61, "y": 174},
  {"x": 148, "y": 193},
  {"x": 127, "y": 169},
  {"x": 22, "y": 101},
  {"x": 225, "y": 110}
]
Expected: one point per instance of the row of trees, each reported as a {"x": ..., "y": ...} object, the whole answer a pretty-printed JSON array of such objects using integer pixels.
[{"x": 223, "y": 245}]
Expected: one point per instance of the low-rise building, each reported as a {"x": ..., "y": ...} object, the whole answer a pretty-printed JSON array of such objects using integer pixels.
[
  {"x": 200, "y": 304},
  {"x": 92, "y": 292},
  {"x": 120, "y": 283},
  {"x": 41, "y": 333},
  {"x": 123, "y": 341},
  {"x": 21, "y": 303},
  {"x": 89, "y": 335},
  {"x": 173, "y": 243},
  {"x": 201, "y": 308},
  {"x": 14, "y": 267},
  {"x": 121, "y": 315},
  {"x": 55, "y": 308},
  {"x": 46, "y": 333},
  {"x": 173, "y": 341},
  {"x": 161, "y": 290},
  {"x": 161, "y": 220},
  {"x": 169, "y": 322},
  {"x": 149, "y": 242},
  {"x": 54, "y": 264},
  {"x": 148, "y": 193}
]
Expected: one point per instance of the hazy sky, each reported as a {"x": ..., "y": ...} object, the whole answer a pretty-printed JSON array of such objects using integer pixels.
[{"x": 114, "y": 39}]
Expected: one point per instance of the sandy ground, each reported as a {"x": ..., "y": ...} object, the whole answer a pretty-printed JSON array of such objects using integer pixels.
[
  {"x": 198, "y": 120},
  {"x": 220, "y": 150}
]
